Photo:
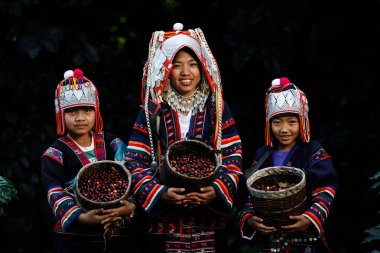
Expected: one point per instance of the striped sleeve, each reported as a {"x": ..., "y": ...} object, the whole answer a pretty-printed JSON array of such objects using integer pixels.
[
  {"x": 318, "y": 212},
  {"x": 63, "y": 206},
  {"x": 227, "y": 181},
  {"x": 52, "y": 175},
  {"x": 147, "y": 191},
  {"x": 246, "y": 231},
  {"x": 323, "y": 188}
]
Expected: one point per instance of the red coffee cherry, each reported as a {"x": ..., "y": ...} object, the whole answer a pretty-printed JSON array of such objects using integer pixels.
[
  {"x": 273, "y": 187},
  {"x": 192, "y": 164},
  {"x": 102, "y": 184}
]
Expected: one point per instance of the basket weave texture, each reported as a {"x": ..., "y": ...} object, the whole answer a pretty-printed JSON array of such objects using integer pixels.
[
  {"x": 275, "y": 207},
  {"x": 172, "y": 178},
  {"x": 88, "y": 204}
]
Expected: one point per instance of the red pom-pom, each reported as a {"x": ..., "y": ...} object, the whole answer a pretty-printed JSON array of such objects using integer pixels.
[
  {"x": 283, "y": 80},
  {"x": 78, "y": 73}
]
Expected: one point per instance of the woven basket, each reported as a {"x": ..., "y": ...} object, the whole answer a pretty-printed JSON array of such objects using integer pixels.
[
  {"x": 172, "y": 178},
  {"x": 88, "y": 204},
  {"x": 275, "y": 207}
]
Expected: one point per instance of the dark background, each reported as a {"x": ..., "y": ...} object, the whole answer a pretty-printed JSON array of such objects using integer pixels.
[{"x": 327, "y": 48}]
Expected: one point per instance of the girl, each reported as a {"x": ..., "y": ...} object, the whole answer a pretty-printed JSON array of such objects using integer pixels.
[
  {"x": 82, "y": 142},
  {"x": 287, "y": 143}
]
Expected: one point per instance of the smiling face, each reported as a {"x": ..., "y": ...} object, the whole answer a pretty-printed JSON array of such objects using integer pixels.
[
  {"x": 285, "y": 130},
  {"x": 80, "y": 121},
  {"x": 186, "y": 73}
]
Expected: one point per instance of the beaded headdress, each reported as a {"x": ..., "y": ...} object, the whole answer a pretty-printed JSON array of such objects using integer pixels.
[
  {"x": 162, "y": 50},
  {"x": 75, "y": 90},
  {"x": 284, "y": 98},
  {"x": 163, "y": 47}
]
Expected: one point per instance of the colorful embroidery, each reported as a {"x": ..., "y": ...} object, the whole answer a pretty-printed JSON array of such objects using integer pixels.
[
  {"x": 74, "y": 147},
  {"x": 318, "y": 156},
  {"x": 55, "y": 154}
]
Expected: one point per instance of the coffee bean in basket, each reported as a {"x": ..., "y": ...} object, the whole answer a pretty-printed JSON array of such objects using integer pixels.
[
  {"x": 192, "y": 165},
  {"x": 189, "y": 164},
  {"x": 103, "y": 185},
  {"x": 274, "y": 187}
]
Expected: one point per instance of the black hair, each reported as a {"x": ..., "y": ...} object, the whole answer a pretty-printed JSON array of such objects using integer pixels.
[
  {"x": 192, "y": 53},
  {"x": 195, "y": 56},
  {"x": 71, "y": 109},
  {"x": 286, "y": 114}
]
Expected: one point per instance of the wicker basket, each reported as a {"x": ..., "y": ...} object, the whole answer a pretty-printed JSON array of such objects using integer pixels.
[
  {"x": 172, "y": 178},
  {"x": 275, "y": 207},
  {"x": 88, "y": 204}
]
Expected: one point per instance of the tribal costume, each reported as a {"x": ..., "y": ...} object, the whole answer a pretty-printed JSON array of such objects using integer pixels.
[
  {"x": 321, "y": 185},
  {"x": 184, "y": 230},
  {"x": 62, "y": 161},
  {"x": 284, "y": 99}
]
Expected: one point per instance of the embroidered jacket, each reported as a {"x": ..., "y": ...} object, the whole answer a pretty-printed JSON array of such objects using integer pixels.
[
  {"x": 147, "y": 187},
  {"x": 60, "y": 164},
  {"x": 321, "y": 183}
]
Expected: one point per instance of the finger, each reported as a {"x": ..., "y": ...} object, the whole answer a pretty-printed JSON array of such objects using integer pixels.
[
  {"x": 195, "y": 203},
  {"x": 110, "y": 215},
  {"x": 193, "y": 198},
  {"x": 287, "y": 227},
  {"x": 106, "y": 221},
  {"x": 110, "y": 220},
  {"x": 257, "y": 219},
  {"x": 125, "y": 203},
  {"x": 178, "y": 190},
  {"x": 108, "y": 211},
  {"x": 97, "y": 211},
  {"x": 204, "y": 189}
]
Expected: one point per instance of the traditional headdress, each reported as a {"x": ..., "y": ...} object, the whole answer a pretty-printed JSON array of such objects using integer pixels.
[
  {"x": 284, "y": 98},
  {"x": 163, "y": 47},
  {"x": 73, "y": 91},
  {"x": 162, "y": 50}
]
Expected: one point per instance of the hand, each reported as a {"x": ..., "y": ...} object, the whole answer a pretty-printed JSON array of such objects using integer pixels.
[
  {"x": 93, "y": 217},
  {"x": 174, "y": 197},
  {"x": 205, "y": 196},
  {"x": 257, "y": 223},
  {"x": 301, "y": 224},
  {"x": 126, "y": 209}
]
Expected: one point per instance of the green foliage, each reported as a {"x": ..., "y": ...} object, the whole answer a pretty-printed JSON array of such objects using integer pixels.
[
  {"x": 7, "y": 193},
  {"x": 376, "y": 183},
  {"x": 372, "y": 235}
]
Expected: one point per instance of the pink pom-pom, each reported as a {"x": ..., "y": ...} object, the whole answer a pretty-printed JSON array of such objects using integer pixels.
[
  {"x": 78, "y": 73},
  {"x": 284, "y": 80}
]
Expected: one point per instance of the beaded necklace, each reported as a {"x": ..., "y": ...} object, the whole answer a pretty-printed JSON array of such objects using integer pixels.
[{"x": 184, "y": 105}]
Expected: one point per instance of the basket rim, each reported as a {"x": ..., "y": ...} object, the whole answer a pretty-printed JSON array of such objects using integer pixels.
[
  {"x": 178, "y": 142},
  {"x": 80, "y": 172},
  {"x": 259, "y": 193}
]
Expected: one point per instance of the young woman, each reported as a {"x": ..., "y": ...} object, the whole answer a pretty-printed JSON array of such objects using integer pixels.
[{"x": 183, "y": 101}]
